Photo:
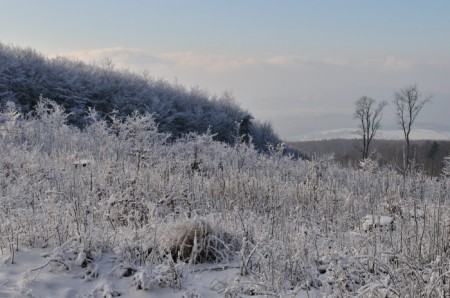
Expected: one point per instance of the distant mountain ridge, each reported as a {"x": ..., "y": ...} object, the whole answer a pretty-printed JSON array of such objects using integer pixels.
[
  {"x": 349, "y": 133},
  {"x": 25, "y": 75}
]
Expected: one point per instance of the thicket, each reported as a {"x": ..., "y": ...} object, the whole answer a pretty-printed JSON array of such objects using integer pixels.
[
  {"x": 289, "y": 225},
  {"x": 25, "y": 75}
]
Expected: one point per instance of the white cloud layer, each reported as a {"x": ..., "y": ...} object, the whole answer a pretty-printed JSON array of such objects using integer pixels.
[
  {"x": 136, "y": 59},
  {"x": 297, "y": 94}
]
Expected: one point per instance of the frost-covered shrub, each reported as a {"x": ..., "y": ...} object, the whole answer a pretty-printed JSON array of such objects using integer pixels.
[
  {"x": 105, "y": 290},
  {"x": 239, "y": 286},
  {"x": 446, "y": 169},
  {"x": 164, "y": 275},
  {"x": 417, "y": 214},
  {"x": 288, "y": 225},
  {"x": 382, "y": 222},
  {"x": 368, "y": 164},
  {"x": 196, "y": 241}
]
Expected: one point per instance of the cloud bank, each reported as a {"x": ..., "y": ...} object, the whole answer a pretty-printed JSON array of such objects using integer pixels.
[{"x": 298, "y": 94}]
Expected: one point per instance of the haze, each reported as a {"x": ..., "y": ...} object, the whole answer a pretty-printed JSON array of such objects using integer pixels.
[{"x": 299, "y": 64}]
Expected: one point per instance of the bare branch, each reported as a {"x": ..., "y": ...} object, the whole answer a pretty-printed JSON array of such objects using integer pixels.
[
  {"x": 408, "y": 103},
  {"x": 369, "y": 117}
]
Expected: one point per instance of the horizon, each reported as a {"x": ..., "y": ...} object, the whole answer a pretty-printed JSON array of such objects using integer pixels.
[
  {"x": 382, "y": 135},
  {"x": 300, "y": 65}
]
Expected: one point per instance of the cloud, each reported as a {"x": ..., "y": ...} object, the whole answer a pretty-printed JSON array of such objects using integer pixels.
[
  {"x": 138, "y": 59},
  {"x": 120, "y": 56},
  {"x": 287, "y": 89},
  {"x": 393, "y": 63},
  {"x": 208, "y": 62},
  {"x": 141, "y": 59}
]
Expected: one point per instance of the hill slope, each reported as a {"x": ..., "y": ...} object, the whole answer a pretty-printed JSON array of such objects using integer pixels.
[{"x": 25, "y": 75}]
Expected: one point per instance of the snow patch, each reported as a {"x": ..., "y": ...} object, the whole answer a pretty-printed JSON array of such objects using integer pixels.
[{"x": 371, "y": 222}]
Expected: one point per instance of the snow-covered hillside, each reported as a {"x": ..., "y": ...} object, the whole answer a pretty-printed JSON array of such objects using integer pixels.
[
  {"x": 116, "y": 209},
  {"x": 25, "y": 75}
]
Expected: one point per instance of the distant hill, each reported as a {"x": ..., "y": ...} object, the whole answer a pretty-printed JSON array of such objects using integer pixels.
[
  {"x": 350, "y": 133},
  {"x": 25, "y": 75},
  {"x": 428, "y": 154}
]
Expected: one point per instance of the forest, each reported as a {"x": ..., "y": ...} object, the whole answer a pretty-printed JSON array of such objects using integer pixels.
[{"x": 26, "y": 75}]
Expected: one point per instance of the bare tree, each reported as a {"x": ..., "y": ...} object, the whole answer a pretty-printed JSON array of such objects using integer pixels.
[
  {"x": 408, "y": 103},
  {"x": 369, "y": 115},
  {"x": 108, "y": 63}
]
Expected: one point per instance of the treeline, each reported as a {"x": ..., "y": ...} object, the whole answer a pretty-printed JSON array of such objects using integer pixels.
[
  {"x": 26, "y": 75},
  {"x": 428, "y": 155}
]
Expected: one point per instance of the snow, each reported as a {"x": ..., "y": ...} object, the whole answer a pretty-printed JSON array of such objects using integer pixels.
[
  {"x": 50, "y": 282},
  {"x": 18, "y": 279},
  {"x": 371, "y": 222},
  {"x": 141, "y": 221},
  {"x": 418, "y": 213}
]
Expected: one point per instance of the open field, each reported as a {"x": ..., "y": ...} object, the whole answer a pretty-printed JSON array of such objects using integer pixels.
[{"x": 122, "y": 210}]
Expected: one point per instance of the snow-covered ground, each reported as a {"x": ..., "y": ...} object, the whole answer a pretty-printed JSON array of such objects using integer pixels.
[
  {"x": 53, "y": 280},
  {"x": 32, "y": 275},
  {"x": 118, "y": 209}
]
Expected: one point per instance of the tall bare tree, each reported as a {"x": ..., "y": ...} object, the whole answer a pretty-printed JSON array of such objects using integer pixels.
[
  {"x": 408, "y": 104},
  {"x": 369, "y": 115}
]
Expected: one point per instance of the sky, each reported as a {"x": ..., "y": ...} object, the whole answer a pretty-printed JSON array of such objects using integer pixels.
[{"x": 299, "y": 64}]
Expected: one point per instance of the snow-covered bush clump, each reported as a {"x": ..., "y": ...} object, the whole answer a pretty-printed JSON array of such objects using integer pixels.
[
  {"x": 161, "y": 208},
  {"x": 446, "y": 169},
  {"x": 371, "y": 222},
  {"x": 197, "y": 241},
  {"x": 163, "y": 275}
]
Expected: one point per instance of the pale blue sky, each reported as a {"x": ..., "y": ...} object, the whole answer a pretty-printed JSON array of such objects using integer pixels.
[{"x": 299, "y": 64}]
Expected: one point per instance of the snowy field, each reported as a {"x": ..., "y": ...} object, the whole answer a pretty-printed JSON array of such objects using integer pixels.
[
  {"x": 120, "y": 210},
  {"x": 102, "y": 278}
]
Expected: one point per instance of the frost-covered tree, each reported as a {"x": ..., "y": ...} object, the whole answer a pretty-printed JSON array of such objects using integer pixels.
[
  {"x": 77, "y": 86},
  {"x": 408, "y": 103},
  {"x": 369, "y": 114},
  {"x": 244, "y": 128}
]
